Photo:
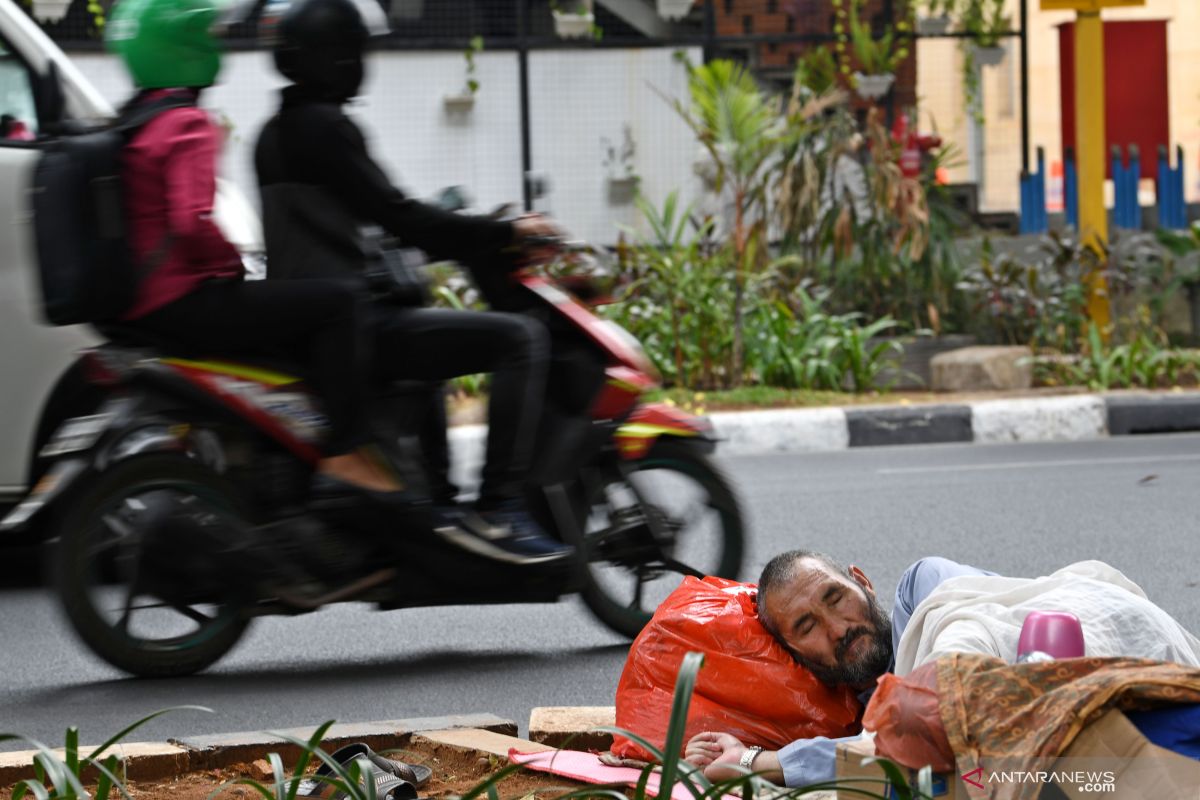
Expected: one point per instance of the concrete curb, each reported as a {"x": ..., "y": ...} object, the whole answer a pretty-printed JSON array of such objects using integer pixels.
[
  {"x": 160, "y": 760},
  {"x": 1059, "y": 418}
]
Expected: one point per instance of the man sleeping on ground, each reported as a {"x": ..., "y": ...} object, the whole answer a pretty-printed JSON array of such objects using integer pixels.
[{"x": 828, "y": 617}]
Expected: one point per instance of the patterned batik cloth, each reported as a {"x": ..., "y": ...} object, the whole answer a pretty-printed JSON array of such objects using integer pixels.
[{"x": 1020, "y": 717}]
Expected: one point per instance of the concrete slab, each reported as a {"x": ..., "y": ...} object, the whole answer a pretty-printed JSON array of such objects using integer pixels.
[
  {"x": 983, "y": 368},
  {"x": 143, "y": 761},
  {"x": 572, "y": 726},
  {"x": 482, "y": 741},
  {"x": 221, "y": 750}
]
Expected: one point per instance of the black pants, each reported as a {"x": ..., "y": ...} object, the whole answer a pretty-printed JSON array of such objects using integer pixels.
[
  {"x": 438, "y": 344},
  {"x": 314, "y": 321}
]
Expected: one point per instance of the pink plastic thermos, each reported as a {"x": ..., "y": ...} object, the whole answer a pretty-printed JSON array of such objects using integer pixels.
[{"x": 1056, "y": 633}]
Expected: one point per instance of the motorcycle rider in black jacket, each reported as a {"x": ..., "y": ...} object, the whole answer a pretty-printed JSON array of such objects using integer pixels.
[{"x": 320, "y": 187}]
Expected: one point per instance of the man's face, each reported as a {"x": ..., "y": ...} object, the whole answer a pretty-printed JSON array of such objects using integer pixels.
[{"x": 832, "y": 625}]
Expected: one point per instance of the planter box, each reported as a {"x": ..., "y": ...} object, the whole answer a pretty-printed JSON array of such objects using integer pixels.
[
  {"x": 988, "y": 56},
  {"x": 50, "y": 10},
  {"x": 933, "y": 26},
  {"x": 621, "y": 191},
  {"x": 459, "y": 103},
  {"x": 674, "y": 9},
  {"x": 872, "y": 87},
  {"x": 408, "y": 9},
  {"x": 573, "y": 26}
]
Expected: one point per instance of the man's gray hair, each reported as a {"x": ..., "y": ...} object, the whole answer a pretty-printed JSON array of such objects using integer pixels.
[{"x": 781, "y": 570}]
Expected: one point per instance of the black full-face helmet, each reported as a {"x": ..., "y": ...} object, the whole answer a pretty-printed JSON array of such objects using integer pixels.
[{"x": 319, "y": 44}]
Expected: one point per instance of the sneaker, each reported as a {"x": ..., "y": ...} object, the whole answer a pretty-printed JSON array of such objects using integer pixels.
[{"x": 506, "y": 533}]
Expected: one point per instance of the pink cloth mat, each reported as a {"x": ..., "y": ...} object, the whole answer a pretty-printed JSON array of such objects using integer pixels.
[{"x": 586, "y": 767}]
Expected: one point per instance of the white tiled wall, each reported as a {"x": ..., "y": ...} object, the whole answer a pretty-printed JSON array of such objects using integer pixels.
[{"x": 577, "y": 97}]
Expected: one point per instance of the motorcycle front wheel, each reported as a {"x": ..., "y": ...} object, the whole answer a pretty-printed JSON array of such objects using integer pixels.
[
  {"x": 129, "y": 588},
  {"x": 666, "y": 516}
]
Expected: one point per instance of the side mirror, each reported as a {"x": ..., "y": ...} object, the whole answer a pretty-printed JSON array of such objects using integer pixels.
[{"x": 49, "y": 99}]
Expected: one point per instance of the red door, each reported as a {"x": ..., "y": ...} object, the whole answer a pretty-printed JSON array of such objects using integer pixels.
[{"x": 1135, "y": 96}]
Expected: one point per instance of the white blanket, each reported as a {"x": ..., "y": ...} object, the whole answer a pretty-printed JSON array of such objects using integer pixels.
[{"x": 973, "y": 614}]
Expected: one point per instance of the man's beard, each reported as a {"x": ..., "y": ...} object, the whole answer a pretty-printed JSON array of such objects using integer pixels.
[{"x": 874, "y": 661}]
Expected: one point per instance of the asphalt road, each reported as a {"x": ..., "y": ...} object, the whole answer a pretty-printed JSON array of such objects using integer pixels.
[{"x": 1017, "y": 509}]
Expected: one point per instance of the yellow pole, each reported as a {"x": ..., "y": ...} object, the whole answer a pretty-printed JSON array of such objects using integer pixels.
[{"x": 1090, "y": 147}]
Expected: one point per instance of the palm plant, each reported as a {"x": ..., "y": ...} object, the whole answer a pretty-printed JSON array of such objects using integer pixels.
[
  {"x": 741, "y": 128},
  {"x": 876, "y": 56}
]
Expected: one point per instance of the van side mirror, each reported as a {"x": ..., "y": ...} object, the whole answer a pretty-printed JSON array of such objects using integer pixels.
[{"x": 49, "y": 100}]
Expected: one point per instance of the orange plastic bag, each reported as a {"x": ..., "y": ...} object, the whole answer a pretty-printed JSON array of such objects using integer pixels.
[
  {"x": 749, "y": 685},
  {"x": 903, "y": 712}
]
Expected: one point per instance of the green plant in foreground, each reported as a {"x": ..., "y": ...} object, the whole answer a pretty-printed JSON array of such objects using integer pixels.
[
  {"x": 1142, "y": 361},
  {"x": 355, "y": 780},
  {"x": 62, "y": 778}
]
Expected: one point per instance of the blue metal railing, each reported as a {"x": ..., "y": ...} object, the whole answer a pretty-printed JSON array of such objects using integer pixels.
[
  {"x": 1172, "y": 210},
  {"x": 1127, "y": 212}
]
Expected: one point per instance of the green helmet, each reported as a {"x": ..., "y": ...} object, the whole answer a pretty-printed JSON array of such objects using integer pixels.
[{"x": 166, "y": 43}]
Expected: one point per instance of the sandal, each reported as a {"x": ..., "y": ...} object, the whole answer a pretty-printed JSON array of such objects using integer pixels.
[{"x": 394, "y": 780}]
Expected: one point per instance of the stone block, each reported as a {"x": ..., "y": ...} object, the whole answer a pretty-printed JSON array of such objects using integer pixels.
[
  {"x": 572, "y": 726},
  {"x": 143, "y": 761},
  {"x": 982, "y": 369},
  {"x": 476, "y": 740}
]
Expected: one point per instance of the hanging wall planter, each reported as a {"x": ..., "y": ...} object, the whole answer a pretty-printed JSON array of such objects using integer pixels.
[
  {"x": 573, "y": 26},
  {"x": 873, "y": 87},
  {"x": 622, "y": 190},
  {"x": 573, "y": 19},
  {"x": 408, "y": 9},
  {"x": 933, "y": 26},
  {"x": 988, "y": 56},
  {"x": 50, "y": 10},
  {"x": 459, "y": 103},
  {"x": 674, "y": 9}
]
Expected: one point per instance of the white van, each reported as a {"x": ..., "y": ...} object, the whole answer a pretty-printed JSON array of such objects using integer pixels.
[{"x": 40, "y": 383}]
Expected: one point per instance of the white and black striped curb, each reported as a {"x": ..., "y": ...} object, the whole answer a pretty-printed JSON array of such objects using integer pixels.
[{"x": 1029, "y": 419}]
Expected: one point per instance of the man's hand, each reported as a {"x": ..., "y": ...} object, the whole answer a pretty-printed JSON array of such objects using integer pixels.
[
  {"x": 717, "y": 753},
  {"x": 536, "y": 226},
  {"x": 529, "y": 225}
]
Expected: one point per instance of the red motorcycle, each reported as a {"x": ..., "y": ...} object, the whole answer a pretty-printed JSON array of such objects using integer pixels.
[{"x": 180, "y": 506}]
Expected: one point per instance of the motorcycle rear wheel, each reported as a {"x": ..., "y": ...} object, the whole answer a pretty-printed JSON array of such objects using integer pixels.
[
  {"x": 107, "y": 583},
  {"x": 630, "y": 571}
]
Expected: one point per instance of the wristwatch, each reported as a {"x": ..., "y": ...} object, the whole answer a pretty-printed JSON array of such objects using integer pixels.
[{"x": 746, "y": 762}]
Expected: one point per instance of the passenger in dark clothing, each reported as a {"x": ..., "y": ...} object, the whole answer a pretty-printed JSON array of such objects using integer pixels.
[{"x": 320, "y": 188}]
